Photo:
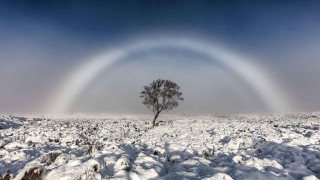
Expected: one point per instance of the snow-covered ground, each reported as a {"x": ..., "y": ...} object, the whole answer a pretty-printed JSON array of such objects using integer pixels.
[{"x": 180, "y": 147}]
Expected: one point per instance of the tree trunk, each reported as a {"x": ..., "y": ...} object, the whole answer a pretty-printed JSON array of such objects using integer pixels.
[{"x": 154, "y": 119}]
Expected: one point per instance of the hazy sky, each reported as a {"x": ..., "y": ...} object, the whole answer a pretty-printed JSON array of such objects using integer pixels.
[{"x": 42, "y": 43}]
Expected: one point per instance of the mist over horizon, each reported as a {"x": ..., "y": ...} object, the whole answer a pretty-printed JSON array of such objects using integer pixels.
[{"x": 45, "y": 43}]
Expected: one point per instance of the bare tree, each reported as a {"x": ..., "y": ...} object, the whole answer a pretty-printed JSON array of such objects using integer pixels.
[{"x": 161, "y": 95}]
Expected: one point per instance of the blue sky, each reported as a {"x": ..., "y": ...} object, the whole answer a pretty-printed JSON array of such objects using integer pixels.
[{"x": 42, "y": 42}]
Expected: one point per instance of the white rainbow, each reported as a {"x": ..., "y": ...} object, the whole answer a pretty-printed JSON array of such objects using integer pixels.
[{"x": 253, "y": 75}]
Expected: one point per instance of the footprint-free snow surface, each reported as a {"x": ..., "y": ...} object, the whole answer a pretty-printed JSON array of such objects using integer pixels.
[{"x": 180, "y": 147}]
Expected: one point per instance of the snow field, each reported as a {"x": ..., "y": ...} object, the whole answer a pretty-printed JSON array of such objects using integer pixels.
[{"x": 180, "y": 147}]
